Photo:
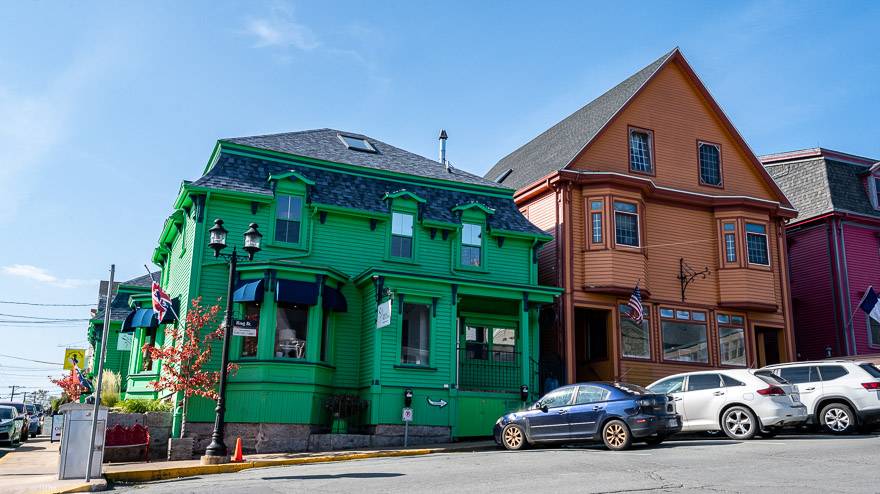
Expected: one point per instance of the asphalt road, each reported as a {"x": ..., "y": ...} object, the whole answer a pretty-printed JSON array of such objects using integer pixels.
[{"x": 804, "y": 463}]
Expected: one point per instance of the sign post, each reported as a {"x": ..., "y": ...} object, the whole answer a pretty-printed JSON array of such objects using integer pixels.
[
  {"x": 407, "y": 417},
  {"x": 101, "y": 356},
  {"x": 244, "y": 327}
]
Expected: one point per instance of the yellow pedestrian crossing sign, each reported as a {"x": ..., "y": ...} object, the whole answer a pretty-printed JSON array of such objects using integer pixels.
[{"x": 74, "y": 356}]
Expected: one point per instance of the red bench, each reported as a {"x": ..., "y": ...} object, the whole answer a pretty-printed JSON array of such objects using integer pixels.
[{"x": 128, "y": 437}]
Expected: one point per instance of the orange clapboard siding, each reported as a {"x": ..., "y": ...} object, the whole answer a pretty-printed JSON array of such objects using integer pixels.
[{"x": 670, "y": 106}]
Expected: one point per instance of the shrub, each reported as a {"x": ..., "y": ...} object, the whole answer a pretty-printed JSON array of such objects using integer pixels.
[
  {"x": 110, "y": 388},
  {"x": 142, "y": 406}
]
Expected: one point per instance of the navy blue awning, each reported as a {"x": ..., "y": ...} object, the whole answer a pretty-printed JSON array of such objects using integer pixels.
[
  {"x": 334, "y": 300},
  {"x": 248, "y": 291},
  {"x": 297, "y": 292},
  {"x": 139, "y": 318}
]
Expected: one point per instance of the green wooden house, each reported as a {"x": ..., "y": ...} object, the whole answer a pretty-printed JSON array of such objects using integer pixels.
[
  {"x": 351, "y": 225},
  {"x": 119, "y": 345}
]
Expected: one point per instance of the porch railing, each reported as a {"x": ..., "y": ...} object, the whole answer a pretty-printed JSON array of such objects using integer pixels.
[{"x": 483, "y": 369}]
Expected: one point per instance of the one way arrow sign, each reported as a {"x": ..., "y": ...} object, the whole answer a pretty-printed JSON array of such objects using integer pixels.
[{"x": 441, "y": 403}]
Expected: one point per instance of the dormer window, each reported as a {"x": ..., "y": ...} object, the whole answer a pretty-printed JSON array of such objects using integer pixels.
[
  {"x": 641, "y": 153},
  {"x": 402, "y": 235},
  {"x": 874, "y": 190},
  {"x": 356, "y": 143}
]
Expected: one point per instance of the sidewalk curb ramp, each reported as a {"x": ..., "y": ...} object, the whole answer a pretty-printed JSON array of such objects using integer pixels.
[
  {"x": 148, "y": 475},
  {"x": 96, "y": 485}
]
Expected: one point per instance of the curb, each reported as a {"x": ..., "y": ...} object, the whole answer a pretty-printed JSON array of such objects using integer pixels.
[
  {"x": 94, "y": 486},
  {"x": 135, "y": 476}
]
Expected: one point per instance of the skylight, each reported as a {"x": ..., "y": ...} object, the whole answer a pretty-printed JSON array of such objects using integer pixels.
[
  {"x": 356, "y": 143},
  {"x": 503, "y": 175}
]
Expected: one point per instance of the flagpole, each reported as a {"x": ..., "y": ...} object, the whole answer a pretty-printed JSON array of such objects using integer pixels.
[
  {"x": 105, "y": 335},
  {"x": 853, "y": 316},
  {"x": 170, "y": 306}
]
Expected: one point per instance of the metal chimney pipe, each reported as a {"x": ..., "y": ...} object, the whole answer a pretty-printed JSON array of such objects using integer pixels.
[{"x": 443, "y": 138}]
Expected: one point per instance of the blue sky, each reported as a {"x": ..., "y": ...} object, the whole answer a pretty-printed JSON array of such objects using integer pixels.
[{"x": 106, "y": 107}]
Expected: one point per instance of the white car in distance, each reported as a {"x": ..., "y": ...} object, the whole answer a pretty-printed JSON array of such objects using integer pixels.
[{"x": 735, "y": 401}]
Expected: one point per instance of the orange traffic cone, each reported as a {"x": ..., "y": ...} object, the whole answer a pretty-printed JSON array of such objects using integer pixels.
[{"x": 236, "y": 458}]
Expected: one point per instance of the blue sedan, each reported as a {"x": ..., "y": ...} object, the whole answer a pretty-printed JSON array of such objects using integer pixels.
[{"x": 617, "y": 414}]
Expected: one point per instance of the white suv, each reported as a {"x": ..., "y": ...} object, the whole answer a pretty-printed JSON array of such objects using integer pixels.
[
  {"x": 840, "y": 395},
  {"x": 736, "y": 401}
]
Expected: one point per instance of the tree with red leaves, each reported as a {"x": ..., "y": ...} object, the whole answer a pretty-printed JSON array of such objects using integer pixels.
[
  {"x": 70, "y": 386},
  {"x": 187, "y": 354}
]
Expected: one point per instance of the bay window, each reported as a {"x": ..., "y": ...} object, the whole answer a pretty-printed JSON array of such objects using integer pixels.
[
  {"x": 291, "y": 330},
  {"x": 730, "y": 242},
  {"x": 685, "y": 335},
  {"x": 251, "y": 312},
  {"x": 626, "y": 223},
  {"x": 596, "y": 222},
  {"x": 756, "y": 241}
]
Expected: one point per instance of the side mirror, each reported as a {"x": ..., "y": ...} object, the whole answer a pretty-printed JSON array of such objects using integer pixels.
[{"x": 544, "y": 408}]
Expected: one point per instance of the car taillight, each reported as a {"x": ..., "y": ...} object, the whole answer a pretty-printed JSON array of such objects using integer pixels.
[
  {"x": 772, "y": 391},
  {"x": 874, "y": 386}
]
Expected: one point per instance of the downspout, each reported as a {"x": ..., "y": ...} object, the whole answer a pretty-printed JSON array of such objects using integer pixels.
[
  {"x": 843, "y": 290},
  {"x": 835, "y": 288},
  {"x": 849, "y": 331}
]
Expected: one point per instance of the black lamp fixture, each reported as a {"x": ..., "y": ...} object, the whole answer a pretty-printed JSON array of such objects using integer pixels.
[{"x": 216, "y": 451}]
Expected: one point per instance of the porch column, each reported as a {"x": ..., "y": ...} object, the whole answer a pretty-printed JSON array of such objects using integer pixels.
[{"x": 525, "y": 338}]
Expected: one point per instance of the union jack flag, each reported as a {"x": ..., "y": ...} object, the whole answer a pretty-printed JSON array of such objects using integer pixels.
[
  {"x": 161, "y": 302},
  {"x": 636, "y": 312}
]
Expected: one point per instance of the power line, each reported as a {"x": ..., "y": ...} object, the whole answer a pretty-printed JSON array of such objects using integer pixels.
[
  {"x": 46, "y": 305},
  {"x": 30, "y": 360},
  {"x": 42, "y": 318},
  {"x": 52, "y": 321}
]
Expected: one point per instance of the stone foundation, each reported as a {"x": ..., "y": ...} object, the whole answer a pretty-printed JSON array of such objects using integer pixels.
[{"x": 292, "y": 438}]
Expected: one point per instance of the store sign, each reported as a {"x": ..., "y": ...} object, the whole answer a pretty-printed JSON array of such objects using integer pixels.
[
  {"x": 123, "y": 343},
  {"x": 244, "y": 327},
  {"x": 57, "y": 425},
  {"x": 383, "y": 314},
  {"x": 74, "y": 357},
  {"x": 407, "y": 415}
]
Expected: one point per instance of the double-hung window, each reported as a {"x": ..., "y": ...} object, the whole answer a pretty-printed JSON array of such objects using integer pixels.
[
  {"x": 685, "y": 335},
  {"x": 640, "y": 152},
  {"x": 415, "y": 334},
  {"x": 730, "y": 242},
  {"x": 471, "y": 244},
  {"x": 288, "y": 219},
  {"x": 596, "y": 222},
  {"x": 756, "y": 240},
  {"x": 732, "y": 340},
  {"x": 626, "y": 223},
  {"x": 710, "y": 164},
  {"x": 402, "y": 235}
]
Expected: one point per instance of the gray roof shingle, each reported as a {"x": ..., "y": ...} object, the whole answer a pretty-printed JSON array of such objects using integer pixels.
[
  {"x": 247, "y": 174},
  {"x": 822, "y": 185},
  {"x": 558, "y": 145},
  {"x": 324, "y": 144}
]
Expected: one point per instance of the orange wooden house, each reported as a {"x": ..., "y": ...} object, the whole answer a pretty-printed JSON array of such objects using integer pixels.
[{"x": 651, "y": 185}]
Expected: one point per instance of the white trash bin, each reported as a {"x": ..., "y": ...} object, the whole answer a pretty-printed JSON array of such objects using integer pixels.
[{"x": 75, "y": 435}]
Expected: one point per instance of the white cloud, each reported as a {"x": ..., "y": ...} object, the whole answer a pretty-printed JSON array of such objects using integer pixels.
[
  {"x": 280, "y": 29},
  {"x": 41, "y": 275}
]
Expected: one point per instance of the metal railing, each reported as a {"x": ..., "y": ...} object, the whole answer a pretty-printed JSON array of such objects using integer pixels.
[{"x": 480, "y": 368}]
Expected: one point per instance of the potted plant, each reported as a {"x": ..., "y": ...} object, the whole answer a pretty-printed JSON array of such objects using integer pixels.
[{"x": 342, "y": 408}]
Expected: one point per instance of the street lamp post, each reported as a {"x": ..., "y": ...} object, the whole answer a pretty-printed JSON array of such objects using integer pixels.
[{"x": 217, "y": 451}]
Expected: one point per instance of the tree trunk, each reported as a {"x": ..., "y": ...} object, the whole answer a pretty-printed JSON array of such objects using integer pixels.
[{"x": 183, "y": 418}]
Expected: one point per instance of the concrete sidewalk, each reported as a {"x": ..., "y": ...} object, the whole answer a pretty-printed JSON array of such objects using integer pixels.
[
  {"x": 33, "y": 468},
  {"x": 163, "y": 470}
]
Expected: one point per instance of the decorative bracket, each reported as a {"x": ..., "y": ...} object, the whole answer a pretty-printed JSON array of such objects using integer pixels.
[{"x": 687, "y": 275}]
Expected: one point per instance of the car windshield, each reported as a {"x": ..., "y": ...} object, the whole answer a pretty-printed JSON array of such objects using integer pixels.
[
  {"x": 17, "y": 406},
  {"x": 5, "y": 413},
  {"x": 632, "y": 389},
  {"x": 30, "y": 408},
  {"x": 870, "y": 369}
]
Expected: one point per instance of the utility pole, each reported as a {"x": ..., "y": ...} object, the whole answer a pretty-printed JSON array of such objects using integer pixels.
[
  {"x": 104, "y": 337},
  {"x": 12, "y": 396}
]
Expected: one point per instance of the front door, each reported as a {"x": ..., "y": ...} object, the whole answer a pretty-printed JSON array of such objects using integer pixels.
[
  {"x": 588, "y": 410},
  {"x": 769, "y": 345},
  {"x": 592, "y": 345},
  {"x": 552, "y": 423},
  {"x": 702, "y": 401}
]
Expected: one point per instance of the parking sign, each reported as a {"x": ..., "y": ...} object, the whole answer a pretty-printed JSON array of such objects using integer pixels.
[{"x": 407, "y": 414}]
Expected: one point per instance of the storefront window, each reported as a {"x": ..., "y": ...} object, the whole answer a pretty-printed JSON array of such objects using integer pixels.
[
  {"x": 415, "y": 334},
  {"x": 149, "y": 339},
  {"x": 291, "y": 329},
  {"x": 251, "y": 312},
  {"x": 685, "y": 337},
  {"x": 636, "y": 339},
  {"x": 732, "y": 340}
]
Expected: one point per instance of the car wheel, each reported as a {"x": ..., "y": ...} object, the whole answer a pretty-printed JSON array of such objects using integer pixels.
[
  {"x": 24, "y": 436},
  {"x": 739, "y": 423},
  {"x": 616, "y": 436},
  {"x": 513, "y": 437},
  {"x": 655, "y": 440},
  {"x": 837, "y": 418}
]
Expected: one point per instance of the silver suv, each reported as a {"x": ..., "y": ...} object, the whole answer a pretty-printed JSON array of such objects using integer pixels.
[{"x": 840, "y": 395}]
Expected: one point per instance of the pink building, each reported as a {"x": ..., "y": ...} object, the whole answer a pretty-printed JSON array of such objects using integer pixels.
[{"x": 834, "y": 248}]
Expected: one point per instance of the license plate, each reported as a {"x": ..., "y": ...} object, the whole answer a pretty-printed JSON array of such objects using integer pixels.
[
  {"x": 795, "y": 397},
  {"x": 673, "y": 423}
]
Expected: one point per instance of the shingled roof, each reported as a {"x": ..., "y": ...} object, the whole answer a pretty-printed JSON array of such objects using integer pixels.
[
  {"x": 325, "y": 144},
  {"x": 819, "y": 181},
  {"x": 249, "y": 174},
  {"x": 556, "y": 147}
]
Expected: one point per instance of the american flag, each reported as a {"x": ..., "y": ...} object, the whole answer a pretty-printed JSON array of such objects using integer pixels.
[
  {"x": 161, "y": 302},
  {"x": 636, "y": 312}
]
